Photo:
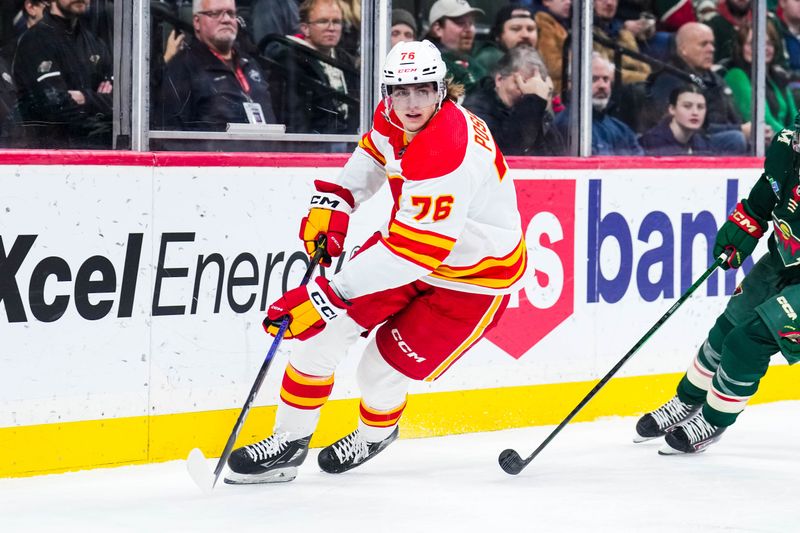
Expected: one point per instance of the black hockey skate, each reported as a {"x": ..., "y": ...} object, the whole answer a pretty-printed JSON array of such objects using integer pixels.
[
  {"x": 350, "y": 451},
  {"x": 692, "y": 436},
  {"x": 272, "y": 460},
  {"x": 657, "y": 423}
]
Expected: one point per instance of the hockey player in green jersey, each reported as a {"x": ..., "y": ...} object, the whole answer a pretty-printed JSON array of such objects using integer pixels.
[{"x": 760, "y": 319}]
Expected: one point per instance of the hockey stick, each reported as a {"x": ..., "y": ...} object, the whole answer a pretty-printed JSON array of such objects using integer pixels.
[
  {"x": 196, "y": 463},
  {"x": 510, "y": 460}
]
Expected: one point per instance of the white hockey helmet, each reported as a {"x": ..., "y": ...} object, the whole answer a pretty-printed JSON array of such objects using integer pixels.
[{"x": 413, "y": 62}]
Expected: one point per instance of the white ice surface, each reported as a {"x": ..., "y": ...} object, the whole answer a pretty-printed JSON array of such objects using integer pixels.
[{"x": 590, "y": 478}]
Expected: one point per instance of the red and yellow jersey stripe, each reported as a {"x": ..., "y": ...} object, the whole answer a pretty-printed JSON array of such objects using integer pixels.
[
  {"x": 491, "y": 272},
  {"x": 424, "y": 248},
  {"x": 304, "y": 391},
  {"x": 366, "y": 143}
]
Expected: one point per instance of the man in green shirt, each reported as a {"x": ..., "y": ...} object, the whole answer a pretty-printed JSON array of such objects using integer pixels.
[
  {"x": 452, "y": 29},
  {"x": 760, "y": 319}
]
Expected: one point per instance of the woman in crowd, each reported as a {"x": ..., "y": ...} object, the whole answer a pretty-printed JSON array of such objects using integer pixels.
[
  {"x": 681, "y": 132},
  {"x": 780, "y": 109}
]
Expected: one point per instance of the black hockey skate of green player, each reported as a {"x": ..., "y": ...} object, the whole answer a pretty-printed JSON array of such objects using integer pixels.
[{"x": 759, "y": 320}]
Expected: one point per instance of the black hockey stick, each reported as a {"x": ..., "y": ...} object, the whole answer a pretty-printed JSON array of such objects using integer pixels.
[
  {"x": 510, "y": 460},
  {"x": 196, "y": 463}
]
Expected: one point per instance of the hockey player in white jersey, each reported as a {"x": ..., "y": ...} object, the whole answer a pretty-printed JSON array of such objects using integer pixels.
[{"x": 431, "y": 283}]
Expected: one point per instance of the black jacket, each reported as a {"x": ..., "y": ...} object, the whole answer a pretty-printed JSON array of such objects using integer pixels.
[
  {"x": 53, "y": 57},
  {"x": 200, "y": 92},
  {"x": 660, "y": 141},
  {"x": 308, "y": 104},
  {"x": 523, "y": 129}
]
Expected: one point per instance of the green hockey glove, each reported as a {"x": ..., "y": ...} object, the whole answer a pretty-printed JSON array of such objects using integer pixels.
[{"x": 739, "y": 236}]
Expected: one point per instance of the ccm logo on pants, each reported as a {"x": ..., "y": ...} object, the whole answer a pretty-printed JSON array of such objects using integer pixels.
[{"x": 406, "y": 349}]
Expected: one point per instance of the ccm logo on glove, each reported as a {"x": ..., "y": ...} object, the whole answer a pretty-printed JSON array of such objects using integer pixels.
[
  {"x": 308, "y": 307},
  {"x": 329, "y": 216},
  {"x": 738, "y": 236},
  {"x": 746, "y": 222}
]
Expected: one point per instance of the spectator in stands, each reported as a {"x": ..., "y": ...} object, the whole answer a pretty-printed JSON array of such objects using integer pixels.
[
  {"x": 553, "y": 25},
  {"x": 452, "y": 29},
  {"x": 513, "y": 26},
  {"x": 730, "y": 15},
  {"x": 694, "y": 54},
  {"x": 32, "y": 12},
  {"x": 680, "y": 133},
  {"x": 317, "y": 96},
  {"x": 351, "y": 27},
  {"x": 516, "y": 105},
  {"x": 610, "y": 136},
  {"x": 211, "y": 83},
  {"x": 280, "y": 17},
  {"x": 404, "y": 27},
  {"x": 63, "y": 74},
  {"x": 8, "y": 103},
  {"x": 607, "y": 26},
  {"x": 789, "y": 11},
  {"x": 780, "y": 109}
]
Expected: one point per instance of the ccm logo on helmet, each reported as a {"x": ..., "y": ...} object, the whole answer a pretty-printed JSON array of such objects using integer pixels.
[
  {"x": 405, "y": 348},
  {"x": 403, "y": 70}
]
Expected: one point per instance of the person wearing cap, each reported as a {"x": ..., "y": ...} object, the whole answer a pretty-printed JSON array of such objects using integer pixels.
[
  {"x": 513, "y": 26},
  {"x": 432, "y": 280},
  {"x": 452, "y": 29},
  {"x": 404, "y": 27}
]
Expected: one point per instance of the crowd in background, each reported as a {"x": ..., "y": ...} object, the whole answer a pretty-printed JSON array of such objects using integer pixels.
[{"x": 681, "y": 67}]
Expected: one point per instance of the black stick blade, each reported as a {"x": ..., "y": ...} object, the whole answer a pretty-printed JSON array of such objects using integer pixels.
[{"x": 511, "y": 462}]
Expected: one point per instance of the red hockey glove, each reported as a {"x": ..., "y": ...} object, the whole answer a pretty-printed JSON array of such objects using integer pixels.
[
  {"x": 329, "y": 215},
  {"x": 309, "y": 308},
  {"x": 739, "y": 236}
]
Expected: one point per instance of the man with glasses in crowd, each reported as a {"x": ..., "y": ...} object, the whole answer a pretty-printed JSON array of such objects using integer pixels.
[
  {"x": 319, "y": 96},
  {"x": 452, "y": 29},
  {"x": 211, "y": 83},
  {"x": 64, "y": 76}
]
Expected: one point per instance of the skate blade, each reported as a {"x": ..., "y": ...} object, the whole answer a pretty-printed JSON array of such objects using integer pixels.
[
  {"x": 666, "y": 449},
  {"x": 638, "y": 438},
  {"x": 280, "y": 475}
]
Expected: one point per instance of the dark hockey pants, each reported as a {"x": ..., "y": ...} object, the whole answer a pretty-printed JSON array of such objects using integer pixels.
[{"x": 758, "y": 322}]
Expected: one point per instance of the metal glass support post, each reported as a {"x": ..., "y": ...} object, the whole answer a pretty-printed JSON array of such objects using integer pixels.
[
  {"x": 140, "y": 76},
  {"x": 121, "y": 119},
  {"x": 580, "y": 106},
  {"x": 758, "y": 75},
  {"x": 370, "y": 58}
]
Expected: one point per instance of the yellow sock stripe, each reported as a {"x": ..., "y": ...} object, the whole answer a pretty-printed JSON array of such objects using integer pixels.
[
  {"x": 383, "y": 413},
  {"x": 305, "y": 379},
  {"x": 393, "y": 415},
  {"x": 472, "y": 339},
  {"x": 288, "y": 397}
]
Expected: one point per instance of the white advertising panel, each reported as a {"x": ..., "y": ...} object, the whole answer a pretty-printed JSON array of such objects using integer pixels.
[{"x": 129, "y": 291}]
